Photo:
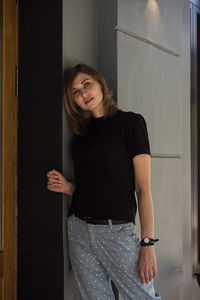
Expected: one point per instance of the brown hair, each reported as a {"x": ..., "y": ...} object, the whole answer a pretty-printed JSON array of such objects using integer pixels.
[{"x": 77, "y": 117}]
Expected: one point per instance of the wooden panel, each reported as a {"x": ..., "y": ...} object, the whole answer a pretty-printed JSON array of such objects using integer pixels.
[
  {"x": 1, "y": 264},
  {"x": 1, "y": 275},
  {"x": 9, "y": 148}
]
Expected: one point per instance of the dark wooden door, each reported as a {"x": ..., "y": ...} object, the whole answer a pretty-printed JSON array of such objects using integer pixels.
[{"x": 40, "y": 234}]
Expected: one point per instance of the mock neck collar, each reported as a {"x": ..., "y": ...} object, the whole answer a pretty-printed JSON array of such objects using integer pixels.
[{"x": 103, "y": 118}]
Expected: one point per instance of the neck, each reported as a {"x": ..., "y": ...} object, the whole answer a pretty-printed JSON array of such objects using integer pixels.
[{"x": 99, "y": 112}]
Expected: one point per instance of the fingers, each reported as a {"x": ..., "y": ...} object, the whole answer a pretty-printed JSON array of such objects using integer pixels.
[
  {"x": 150, "y": 275},
  {"x": 147, "y": 272},
  {"x": 155, "y": 272},
  {"x": 54, "y": 182},
  {"x": 142, "y": 278},
  {"x": 54, "y": 173},
  {"x": 146, "y": 276},
  {"x": 55, "y": 187},
  {"x": 54, "y": 179},
  {"x": 147, "y": 264}
]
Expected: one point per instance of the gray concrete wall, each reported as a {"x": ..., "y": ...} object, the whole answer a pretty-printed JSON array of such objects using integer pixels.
[
  {"x": 88, "y": 37},
  {"x": 107, "y": 42},
  {"x": 157, "y": 84},
  {"x": 79, "y": 45}
]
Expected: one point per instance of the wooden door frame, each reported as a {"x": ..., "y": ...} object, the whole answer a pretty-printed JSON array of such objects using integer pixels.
[{"x": 8, "y": 255}]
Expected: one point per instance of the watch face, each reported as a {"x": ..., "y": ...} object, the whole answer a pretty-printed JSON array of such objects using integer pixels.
[{"x": 146, "y": 240}]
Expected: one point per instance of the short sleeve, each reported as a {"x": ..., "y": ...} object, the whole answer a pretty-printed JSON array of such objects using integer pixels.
[{"x": 137, "y": 135}]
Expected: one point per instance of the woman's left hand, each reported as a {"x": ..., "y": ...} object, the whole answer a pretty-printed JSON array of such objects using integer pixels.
[{"x": 147, "y": 264}]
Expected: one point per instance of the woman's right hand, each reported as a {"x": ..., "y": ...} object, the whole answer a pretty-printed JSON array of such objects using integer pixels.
[{"x": 58, "y": 183}]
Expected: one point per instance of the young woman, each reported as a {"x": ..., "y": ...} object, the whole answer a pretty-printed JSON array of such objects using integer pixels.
[{"x": 111, "y": 155}]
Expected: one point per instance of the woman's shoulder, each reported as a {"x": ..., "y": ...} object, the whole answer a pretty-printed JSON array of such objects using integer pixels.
[{"x": 131, "y": 115}]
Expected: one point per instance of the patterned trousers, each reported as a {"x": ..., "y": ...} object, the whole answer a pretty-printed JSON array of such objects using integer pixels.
[{"x": 101, "y": 253}]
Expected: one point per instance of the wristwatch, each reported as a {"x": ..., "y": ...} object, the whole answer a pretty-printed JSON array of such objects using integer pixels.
[{"x": 148, "y": 241}]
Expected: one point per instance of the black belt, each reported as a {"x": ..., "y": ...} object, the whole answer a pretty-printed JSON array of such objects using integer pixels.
[{"x": 92, "y": 220}]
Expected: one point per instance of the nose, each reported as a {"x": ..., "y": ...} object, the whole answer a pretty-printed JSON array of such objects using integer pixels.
[{"x": 83, "y": 93}]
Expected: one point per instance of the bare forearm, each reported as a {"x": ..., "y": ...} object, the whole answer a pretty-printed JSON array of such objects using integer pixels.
[
  {"x": 70, "y": 188},
  {"x": 146, "y": 214}
]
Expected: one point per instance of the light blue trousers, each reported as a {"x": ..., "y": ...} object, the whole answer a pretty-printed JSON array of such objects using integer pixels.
[{"x": 101, "y": 253}]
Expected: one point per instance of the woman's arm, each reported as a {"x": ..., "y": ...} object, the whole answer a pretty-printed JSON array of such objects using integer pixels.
[
  {"x": 58, "y": 183},
  {"x": 71, "y": 188},
  {"x": 147, "y": 263}
]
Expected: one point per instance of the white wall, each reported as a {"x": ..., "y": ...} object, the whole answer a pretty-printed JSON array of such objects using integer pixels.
[{"x": 157, "y": 85}]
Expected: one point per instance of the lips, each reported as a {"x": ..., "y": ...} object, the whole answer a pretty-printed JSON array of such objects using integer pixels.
[{"x": 88, "y": 100}]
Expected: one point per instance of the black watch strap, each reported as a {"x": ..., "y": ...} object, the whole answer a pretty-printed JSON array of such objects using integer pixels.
[{"x": 148, "y": 241}]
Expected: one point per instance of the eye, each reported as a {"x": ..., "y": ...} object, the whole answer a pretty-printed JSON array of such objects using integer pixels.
[
  {"x": 86, "y": 84},
  {"x": 75, "y": 92}
]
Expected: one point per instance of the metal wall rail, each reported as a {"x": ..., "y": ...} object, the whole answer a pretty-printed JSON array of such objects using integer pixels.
[
  {"x": 139, "y": 37},
  {"x": 164, "y": 155}
]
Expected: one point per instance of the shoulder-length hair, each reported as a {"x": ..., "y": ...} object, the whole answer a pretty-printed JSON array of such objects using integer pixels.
[{"x": 78, "y": 118}]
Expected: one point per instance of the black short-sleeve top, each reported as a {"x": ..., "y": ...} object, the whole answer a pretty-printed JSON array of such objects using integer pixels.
[{"x": 103, "y": 166}]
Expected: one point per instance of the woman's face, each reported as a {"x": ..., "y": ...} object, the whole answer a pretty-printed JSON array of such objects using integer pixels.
[{"x": 87, "y": 93}]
